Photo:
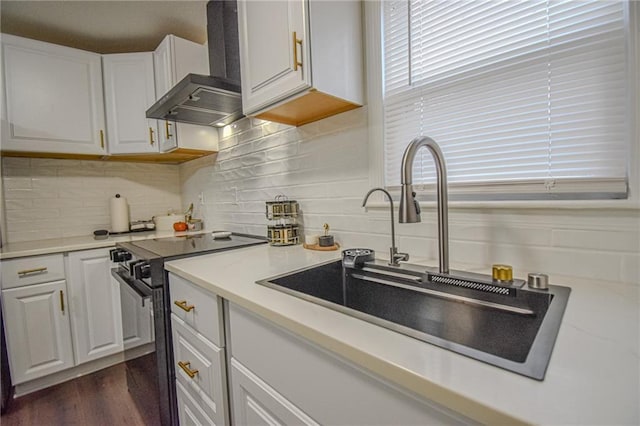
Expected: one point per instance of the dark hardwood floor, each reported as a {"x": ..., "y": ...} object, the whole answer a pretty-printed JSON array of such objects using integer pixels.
[{"x": 97, "y": 399}]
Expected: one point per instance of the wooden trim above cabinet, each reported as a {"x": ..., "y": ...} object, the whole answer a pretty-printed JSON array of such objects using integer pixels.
[
  {"x": 177, "y": 156},
  {"x": 311, "y": 106}
]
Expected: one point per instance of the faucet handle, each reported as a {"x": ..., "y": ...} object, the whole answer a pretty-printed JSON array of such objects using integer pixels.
[
  {"x": 353, "y": 258},
  {"x": 395, "y": 257},
  {"x": 416, "y": 203}
]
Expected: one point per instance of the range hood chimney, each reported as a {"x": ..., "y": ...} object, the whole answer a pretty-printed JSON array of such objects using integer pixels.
[{"x": 210, "y": 100}]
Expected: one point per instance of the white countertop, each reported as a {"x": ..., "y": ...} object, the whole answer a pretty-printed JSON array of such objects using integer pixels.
[
  {"x": 593, "y": 376},
  {"x": 59, "y": 245}
]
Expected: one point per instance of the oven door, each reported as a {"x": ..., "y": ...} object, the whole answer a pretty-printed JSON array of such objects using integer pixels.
[
  {"x": 137, "y": 301},
  {"x": 137, "y": 313}
]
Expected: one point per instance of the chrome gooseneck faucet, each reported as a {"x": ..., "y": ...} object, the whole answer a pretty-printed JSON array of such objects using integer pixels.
[
  {"x": 410, "y": 209},
  {"x": 394, "y": 256}
]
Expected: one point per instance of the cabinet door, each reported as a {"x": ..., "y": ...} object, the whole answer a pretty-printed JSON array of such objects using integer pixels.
[
  {"x": 53, "y": 98},
  {"x": 270, "y": 50},
  {"x": 129, "y": 90},
  {"x": 95, "y": 305},
  {"x": 164, "y": 70},
  {"x": 137, "y": 318},
  {"x": 37, "y": 330},
  {"x": 256, "y": 403},
  {"x": 173, "y": 59}
]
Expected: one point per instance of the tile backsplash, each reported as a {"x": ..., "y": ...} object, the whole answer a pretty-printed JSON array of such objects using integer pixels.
[
  {"x": 50, "y": 198},
  {"x": 324, "y": 166}
]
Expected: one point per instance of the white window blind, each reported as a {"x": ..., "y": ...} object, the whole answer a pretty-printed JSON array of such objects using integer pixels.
[{"x": 524, "y": 97}]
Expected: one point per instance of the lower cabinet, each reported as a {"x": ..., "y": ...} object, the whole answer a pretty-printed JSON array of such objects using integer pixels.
[
  {"x": 37, "y": 329},
  {"x": 96, "y": 318},
  {"x": 198, "y": 354},
  {"x": 64, "y": 310},
  {"x": 278, "y": 377}
]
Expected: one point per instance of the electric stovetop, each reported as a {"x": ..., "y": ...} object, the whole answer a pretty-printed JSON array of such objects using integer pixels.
[{"x": 189, "y": 245}]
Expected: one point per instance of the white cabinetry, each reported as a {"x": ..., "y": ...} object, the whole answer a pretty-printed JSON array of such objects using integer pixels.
[
  {"x": 173, "y": 59},
  {"x": 36, "y": 317},
  {"x": 257, "y": 403},
  {"x": 53, "y": 98},
  {"x": 302, "y": 64},
  {"x": 129, "y": 90},
  {"x": 95, "y": 305},
  {"x": 280, "y": 378},
  {"x": 198, "y": 353}
]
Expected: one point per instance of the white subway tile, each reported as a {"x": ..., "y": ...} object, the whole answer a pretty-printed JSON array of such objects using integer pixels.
[
  {"x": 628, "y": 240},
  {"x": 500, "y": 234},
  {"x": 249, "y": 135},
  {"x": 15, "y": 162},
  {"x": 23, "y": 182},
  {"x": 20, "y": 236},
  {"x": 630, "y": 270},
  {"x": 28, "y": 215},
  {"x": 16, "y": 172},
  {"x": 58, "y": 203},
  {"x": 17, "y": 194},
  {"x": 18, "y": 204}
]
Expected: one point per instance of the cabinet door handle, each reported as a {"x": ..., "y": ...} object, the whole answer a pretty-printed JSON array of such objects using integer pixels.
[
  {"x": 151, "y": 141},
  {"x": 25, "y": 272},
  {"x": 186, "y": 368},
  {"x": 296, "y": 42},
  {"x": 182, "y": 304},
  {"x": 166, "y": 126},
  {"x": 62, "y": 301},
  {"x": 102, "y": 139}
]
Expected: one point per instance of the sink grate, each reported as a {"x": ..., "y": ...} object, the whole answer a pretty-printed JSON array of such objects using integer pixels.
[{"x": 459, "y": 282}]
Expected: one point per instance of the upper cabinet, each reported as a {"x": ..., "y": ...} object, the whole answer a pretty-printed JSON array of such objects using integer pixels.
[
  {"x": 173, "y": 59},
  {"x": 128, "y": 91},
  {"x": 302, "y": 64},
  {"x": 60, "y": 102},
  {"x": 52, "y": 99}
]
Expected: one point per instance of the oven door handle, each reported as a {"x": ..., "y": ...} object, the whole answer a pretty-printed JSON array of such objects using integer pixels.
[{"x": 141, "y": 290}]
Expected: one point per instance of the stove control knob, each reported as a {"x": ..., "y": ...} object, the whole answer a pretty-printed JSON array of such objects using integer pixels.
[
  {"x": 112, "y": 254},
  {"x": 119, "y": 255},
  {"x": 142, "y": 270}
]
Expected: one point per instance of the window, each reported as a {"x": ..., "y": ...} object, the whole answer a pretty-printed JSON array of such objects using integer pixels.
[{"x": 527, "y": 99}]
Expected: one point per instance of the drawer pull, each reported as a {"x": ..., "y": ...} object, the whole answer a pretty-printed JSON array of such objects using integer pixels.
[
  {"x": 185, "y": 367},
  {"x": 32, "y": 271},
  {"x": 182, "y": 304},
  {"x": 151, "y": 141},
  {"x": 62, "y": 301},
  {"x": 166, "y": 126}
]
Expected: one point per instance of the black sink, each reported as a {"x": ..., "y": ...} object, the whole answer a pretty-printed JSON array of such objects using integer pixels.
[{"x": 515, "y": 330}]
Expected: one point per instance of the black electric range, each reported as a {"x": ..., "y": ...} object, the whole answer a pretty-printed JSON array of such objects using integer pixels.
[{"x": 140, "y": 267}]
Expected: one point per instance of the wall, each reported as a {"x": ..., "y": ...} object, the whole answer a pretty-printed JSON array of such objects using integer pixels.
[
  {"x": 47, "y": 198},
  {"x": 324, "y": 166}
]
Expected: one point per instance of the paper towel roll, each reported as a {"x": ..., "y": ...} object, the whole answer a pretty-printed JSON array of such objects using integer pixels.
[{"x": 119, "y": 214}]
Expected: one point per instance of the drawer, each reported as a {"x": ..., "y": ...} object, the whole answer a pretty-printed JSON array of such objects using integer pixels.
[
  {"x": 32, "y": 270},
  {"x": 189, "y": 412},
  {"x": 200, "y": 309},
  {"x": 196, "y": 356}
]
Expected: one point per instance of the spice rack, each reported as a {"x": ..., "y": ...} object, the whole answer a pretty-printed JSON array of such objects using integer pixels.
[{"x": 284, "y": 232}]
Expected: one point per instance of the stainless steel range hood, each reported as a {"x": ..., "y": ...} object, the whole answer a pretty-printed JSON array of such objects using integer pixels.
[{"x": 211, "y": 100}]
